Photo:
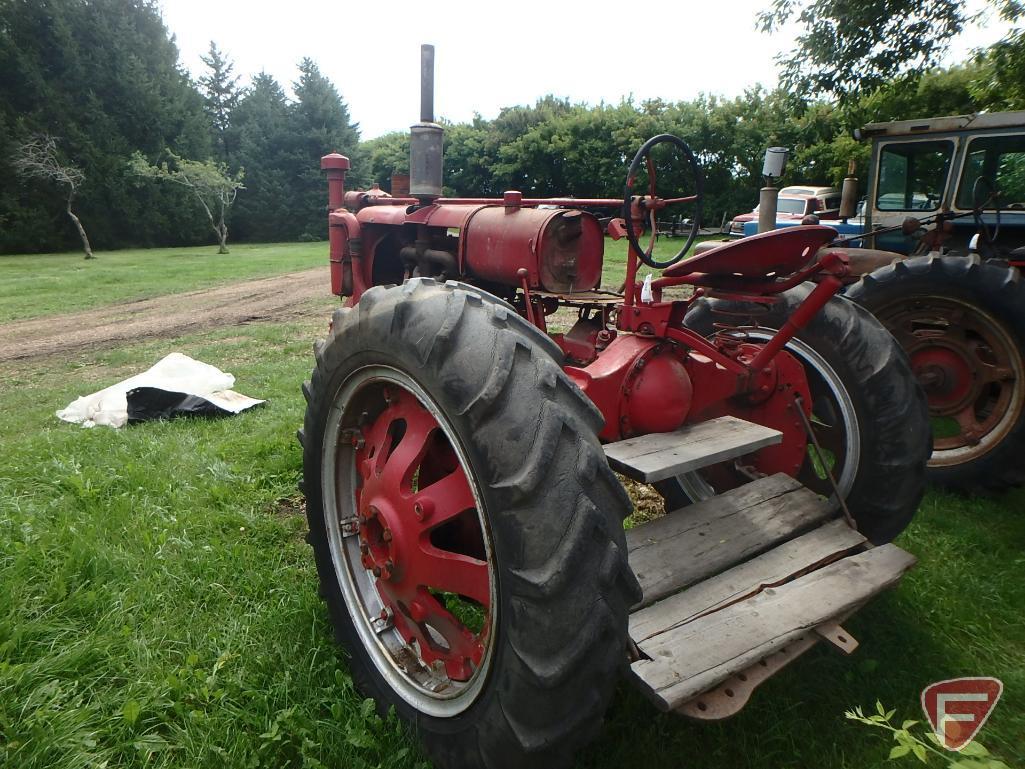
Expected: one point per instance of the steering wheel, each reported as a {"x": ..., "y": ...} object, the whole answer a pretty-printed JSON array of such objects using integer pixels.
[
  {"x": 653, "y": 204},
  {"x": 980, "y": 197}
]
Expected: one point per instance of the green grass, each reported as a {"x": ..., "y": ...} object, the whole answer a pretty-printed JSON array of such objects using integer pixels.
[
  {"x": 614, "y": 270},
  {"x": 158, "y": 605},
  {"x": 40, "y": 284}
]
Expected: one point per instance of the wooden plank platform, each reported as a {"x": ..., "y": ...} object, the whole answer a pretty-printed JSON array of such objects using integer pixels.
[
  {"x": 690, "y": 657},
  {"x": 805, "y": 553},
  {"x": 690, "y": 545},
  {"x": 658, "y": 456}
]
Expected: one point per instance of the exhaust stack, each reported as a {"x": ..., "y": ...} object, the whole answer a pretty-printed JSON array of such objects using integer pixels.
[{"x": 425, "y": 138}]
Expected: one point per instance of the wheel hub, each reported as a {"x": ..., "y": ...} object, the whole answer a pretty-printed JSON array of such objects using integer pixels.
[
  {"x": 969, "y": 367},
  {"x": 410, "y": 489},
  {"x": 946, "y": 375}
]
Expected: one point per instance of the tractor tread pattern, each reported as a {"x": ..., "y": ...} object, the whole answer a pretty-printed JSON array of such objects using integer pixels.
[
  {"x": 894, "y": 421},
  {"x": 554, "y": 506},
  {"x": 997, "y": 289}
]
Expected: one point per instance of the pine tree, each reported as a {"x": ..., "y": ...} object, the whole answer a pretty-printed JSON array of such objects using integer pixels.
[
  {"x": 221, "y": 95},
  {"x": 320, "y": 124},
  {"x": 266, "y": 150}
]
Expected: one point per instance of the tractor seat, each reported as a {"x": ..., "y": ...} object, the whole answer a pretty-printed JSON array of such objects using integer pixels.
[{"x": 774, "y": 254}]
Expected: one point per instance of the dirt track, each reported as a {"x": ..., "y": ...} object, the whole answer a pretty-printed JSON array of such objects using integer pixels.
[{"x": 275, "y": 298}]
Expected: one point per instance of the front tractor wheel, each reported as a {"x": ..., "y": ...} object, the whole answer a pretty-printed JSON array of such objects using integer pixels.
[
  {"x": 466, "y": 528},
  {"x": 962, "y": 323}
]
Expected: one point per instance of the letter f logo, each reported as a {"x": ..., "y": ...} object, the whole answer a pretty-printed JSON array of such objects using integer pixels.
[{"x": 957, "y": 708}]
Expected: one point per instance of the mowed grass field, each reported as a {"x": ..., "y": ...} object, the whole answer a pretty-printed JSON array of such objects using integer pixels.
[{"x": 158, "y": 605}]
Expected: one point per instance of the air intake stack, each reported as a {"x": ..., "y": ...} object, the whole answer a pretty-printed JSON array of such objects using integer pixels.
[{"x": 425, "y": 138}]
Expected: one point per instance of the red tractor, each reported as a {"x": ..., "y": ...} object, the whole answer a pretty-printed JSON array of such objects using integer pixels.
[{"x": 460, "y": 462}]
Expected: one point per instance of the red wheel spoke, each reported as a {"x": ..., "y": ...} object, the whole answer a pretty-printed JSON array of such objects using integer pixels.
[
  {"x": 444, "y": 499},
  {"x": 400, "y": 465},
  {"x": 412, "y": 541},
  {"x": 999, "y": 374},
  {"x": 451, "y": 573},
  {"x": 971, "y": 429}
]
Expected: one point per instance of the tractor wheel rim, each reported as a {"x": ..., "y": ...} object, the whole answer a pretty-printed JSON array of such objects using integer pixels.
[
  {"x": 409, "y": 542},
  {"x": 844, "y": 439},
  {"x": 970, "y": 368}
]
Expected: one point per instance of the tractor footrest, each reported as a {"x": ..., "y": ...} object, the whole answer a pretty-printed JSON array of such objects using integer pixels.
[
  {"x": 736, "y": 586},
  {"x": 657, "y": 456}
]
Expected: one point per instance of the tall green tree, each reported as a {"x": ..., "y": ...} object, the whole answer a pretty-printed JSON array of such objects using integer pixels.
[
  {"x": 848, "y": 48},
  {"x": 320, "y": 123},
  {"x": 221, "y": 95},
  {"x": 103, "y": 75},
  {"x": 266, "y": 150}
]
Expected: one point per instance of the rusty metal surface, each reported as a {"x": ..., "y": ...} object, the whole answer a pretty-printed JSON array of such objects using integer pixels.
[
  {"x": 778, "y": 252},
  {"x": 729, "y": 697},
  {"x": 837, "y": 636}
]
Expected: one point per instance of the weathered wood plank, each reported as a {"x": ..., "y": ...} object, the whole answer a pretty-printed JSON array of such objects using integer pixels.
[
  {"x": 690, "y": 545},
  {"x": 657, "y": 456},
  {"x": 695, "y": 657},
  {"x": 809, "y": 551}
]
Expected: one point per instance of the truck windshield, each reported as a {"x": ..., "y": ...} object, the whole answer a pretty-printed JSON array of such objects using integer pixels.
[
  {"x": 912, "y": 175},
  {"x": 790, "y": 206},
  {"x": 1001, "y": 159}
]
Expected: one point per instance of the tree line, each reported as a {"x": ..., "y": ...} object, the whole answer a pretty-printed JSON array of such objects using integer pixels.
[{"x": 101, "y": 80}]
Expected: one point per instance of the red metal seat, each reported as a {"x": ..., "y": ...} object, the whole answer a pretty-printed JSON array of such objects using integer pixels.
[{"x": 773, "y": 254}]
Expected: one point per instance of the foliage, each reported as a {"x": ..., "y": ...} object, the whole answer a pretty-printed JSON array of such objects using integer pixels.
[
  {"x": 1000, "y": 82},
  {"x": 974, "y": 755},
  {"x": 850, "y": 48},
  {"x": 319, "y": 122},
  {"x": 265, "y": 146},
  {"x": 221, "y": 95},
  {"x": 210, "y": 183},
  {"x": 104, "y": 76},
  {"x": 135, "y": 97}
]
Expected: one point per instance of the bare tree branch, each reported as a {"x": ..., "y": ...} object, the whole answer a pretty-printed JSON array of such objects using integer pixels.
[{"x": 37, "y": 158}]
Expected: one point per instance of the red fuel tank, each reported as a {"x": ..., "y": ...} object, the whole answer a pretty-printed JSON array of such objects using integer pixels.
[{"x": 560, "y": 248}]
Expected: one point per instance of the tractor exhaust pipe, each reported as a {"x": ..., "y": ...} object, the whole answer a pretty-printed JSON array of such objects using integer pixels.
[
  {"x": 426, "y": 83},
  {"x": 425, "y": 138}
]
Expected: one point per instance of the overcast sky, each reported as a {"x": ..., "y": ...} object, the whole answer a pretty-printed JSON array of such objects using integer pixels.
[{"x": 491, "y": 55}]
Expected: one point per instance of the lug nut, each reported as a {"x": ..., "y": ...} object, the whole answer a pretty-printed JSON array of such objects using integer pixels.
[
  {"x": 377, "y": 571},
  {"x": 386, "y": 535},
  {"x": 423, "y": 509}
]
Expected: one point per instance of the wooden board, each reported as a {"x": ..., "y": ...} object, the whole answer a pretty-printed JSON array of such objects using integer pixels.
[
  {"x": 696, "y": 656},
  {"x": 789, "y": 560},
  {"x": 657, "y": 456},
  {"x": 698, "y": 542}
]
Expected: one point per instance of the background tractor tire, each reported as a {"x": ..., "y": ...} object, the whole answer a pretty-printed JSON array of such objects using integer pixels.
[
  {"x": 962, "y": 323},
  {"x": 848, "y": 350},
  {"x": 549, "y": 510}
]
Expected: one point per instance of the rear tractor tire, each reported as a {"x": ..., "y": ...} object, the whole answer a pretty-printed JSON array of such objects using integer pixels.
[
  {"x": 867, "y": 410},
  {"x": 466, "y": 527},
  {"x": 962, "y": 323}
]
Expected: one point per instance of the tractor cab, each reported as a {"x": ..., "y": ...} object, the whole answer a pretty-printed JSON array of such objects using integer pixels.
[{"x": 970, "y": 168}]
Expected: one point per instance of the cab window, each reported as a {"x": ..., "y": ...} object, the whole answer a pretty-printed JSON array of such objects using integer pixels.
[
  {"x": 912, "y": 175},
  {"x": 1001, "y": 159}
]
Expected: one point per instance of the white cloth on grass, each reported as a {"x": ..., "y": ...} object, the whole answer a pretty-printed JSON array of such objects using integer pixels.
[{"x": 176, "y": 373}]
